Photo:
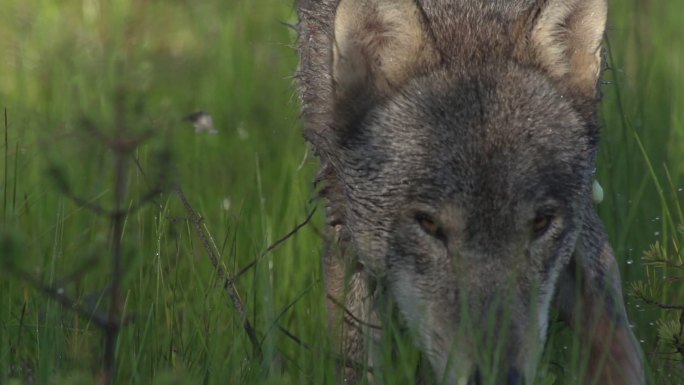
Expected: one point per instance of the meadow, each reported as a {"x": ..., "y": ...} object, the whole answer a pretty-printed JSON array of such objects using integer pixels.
[{"x": 95, "y": 236}]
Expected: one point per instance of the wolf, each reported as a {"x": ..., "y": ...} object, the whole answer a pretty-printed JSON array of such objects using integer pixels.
[{"x": 457, "y": 142}]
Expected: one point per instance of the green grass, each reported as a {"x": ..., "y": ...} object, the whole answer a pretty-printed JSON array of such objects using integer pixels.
[
  {"x": 68, "y": 67},
  {"x": 642, "y": 160}
]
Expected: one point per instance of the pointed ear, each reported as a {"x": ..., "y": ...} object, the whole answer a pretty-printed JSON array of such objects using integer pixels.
[
  {"x": 566, "y": 38},
  {"x": 379, "y": 44}
]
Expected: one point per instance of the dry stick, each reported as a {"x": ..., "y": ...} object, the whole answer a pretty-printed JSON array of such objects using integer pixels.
[
  {"x": 665, "y": 306},
  {"x": 114, "y": 315},
  {"x": 4, "y": 203},
  {"x": 57, "y": 294},
  {"x": 336, "y": 357},
  {"x": 229, "y": 282},
  {"x": 120, "y": 145},
  {"x": 273, "y": 246},
  {"x": 351, "y": 315},
  {"x": 14, "y": 185},
  {"x": 351, "y": 364},
  {"x": 228, "y": 285},
  {"x": 99, "y": 210},
  {"x": 679, "y": 339}
]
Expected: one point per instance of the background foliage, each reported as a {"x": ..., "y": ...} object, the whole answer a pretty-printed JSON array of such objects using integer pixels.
[{"x": 76, "y": 75}]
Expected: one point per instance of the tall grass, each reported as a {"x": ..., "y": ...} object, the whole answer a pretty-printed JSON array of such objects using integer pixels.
[
  {"x": 641, "y": 161},
  {"x": 74, "y": 72}
]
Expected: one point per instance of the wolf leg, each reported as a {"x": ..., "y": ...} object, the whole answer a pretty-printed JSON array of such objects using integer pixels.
[
  {"x": 590, "y": 301},
  {"x": 351, "y": 315}
]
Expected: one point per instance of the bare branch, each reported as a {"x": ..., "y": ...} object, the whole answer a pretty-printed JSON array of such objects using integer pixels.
[
  {"x": 336, "y": 357},
  {"x": 57, "y": 294},
  {"x": 651, "y": 301},
  {"x": 350, "y": 314},
  {"x": 97, "y": 209},
  {"x": 228, "y": 284},
  {"x": 273, "y": 246}
]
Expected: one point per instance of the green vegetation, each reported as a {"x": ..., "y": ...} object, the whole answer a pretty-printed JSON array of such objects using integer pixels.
[
  {"x": 642, "y": 163},
  {"x": 78, "y": 76}
]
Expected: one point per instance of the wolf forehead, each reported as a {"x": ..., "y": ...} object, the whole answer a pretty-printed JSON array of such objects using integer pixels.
[{"x": 469, "y": 132}]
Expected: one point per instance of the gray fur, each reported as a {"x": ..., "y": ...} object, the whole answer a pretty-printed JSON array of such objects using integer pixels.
[{"x": 481, "y": 118}]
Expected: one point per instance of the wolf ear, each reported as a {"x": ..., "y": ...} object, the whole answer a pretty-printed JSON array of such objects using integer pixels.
[
  {"x": 378, "y": 45},
  {"x": 566, "y": 40}
]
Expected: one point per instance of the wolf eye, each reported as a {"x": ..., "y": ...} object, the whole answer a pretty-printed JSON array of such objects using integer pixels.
[
  {"x": 541, "y": 224},
  {"x": 429, "y": 226}
]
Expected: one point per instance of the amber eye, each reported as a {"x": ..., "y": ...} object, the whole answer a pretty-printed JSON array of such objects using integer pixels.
[
  {"x": 541, "y": 223},
  {"x": 429, "y": 226}
]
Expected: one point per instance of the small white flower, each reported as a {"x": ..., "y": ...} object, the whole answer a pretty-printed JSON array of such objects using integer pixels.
[
  {"x": 202, "y": 121},
  {"x": 241, "y": 131}
]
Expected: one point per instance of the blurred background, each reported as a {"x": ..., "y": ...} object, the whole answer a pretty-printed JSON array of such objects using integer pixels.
[{"x": 98, "y": 100}]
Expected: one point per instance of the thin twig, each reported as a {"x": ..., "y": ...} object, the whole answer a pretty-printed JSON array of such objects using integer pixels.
[
  {"x": 284, "y": 310},
  {"x": 294, "y": 338},
  {"x": 291, "y": 233},
  {"x": 351, "y": 315},
  {"x": 99, "y": 210},
  {"x": 118, "y": 217},
  {"x": 661, "y": 305},
  {"x": 4, "y": 203},
  {"x": 228, "y": 285},
  {"x": 56, "y": 293},
  {"x": 80, "y": 271},
  {"x": 336, "y": 357},
  {"x": 273, "y": 246}
]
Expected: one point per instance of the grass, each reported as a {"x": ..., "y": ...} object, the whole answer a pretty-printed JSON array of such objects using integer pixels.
[
  {"x": 74, "y": 71},
  {"x": 641, "y": 159}
]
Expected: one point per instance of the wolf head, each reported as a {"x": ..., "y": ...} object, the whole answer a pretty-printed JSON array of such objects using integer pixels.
[{"x": 462, "y": 149}]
